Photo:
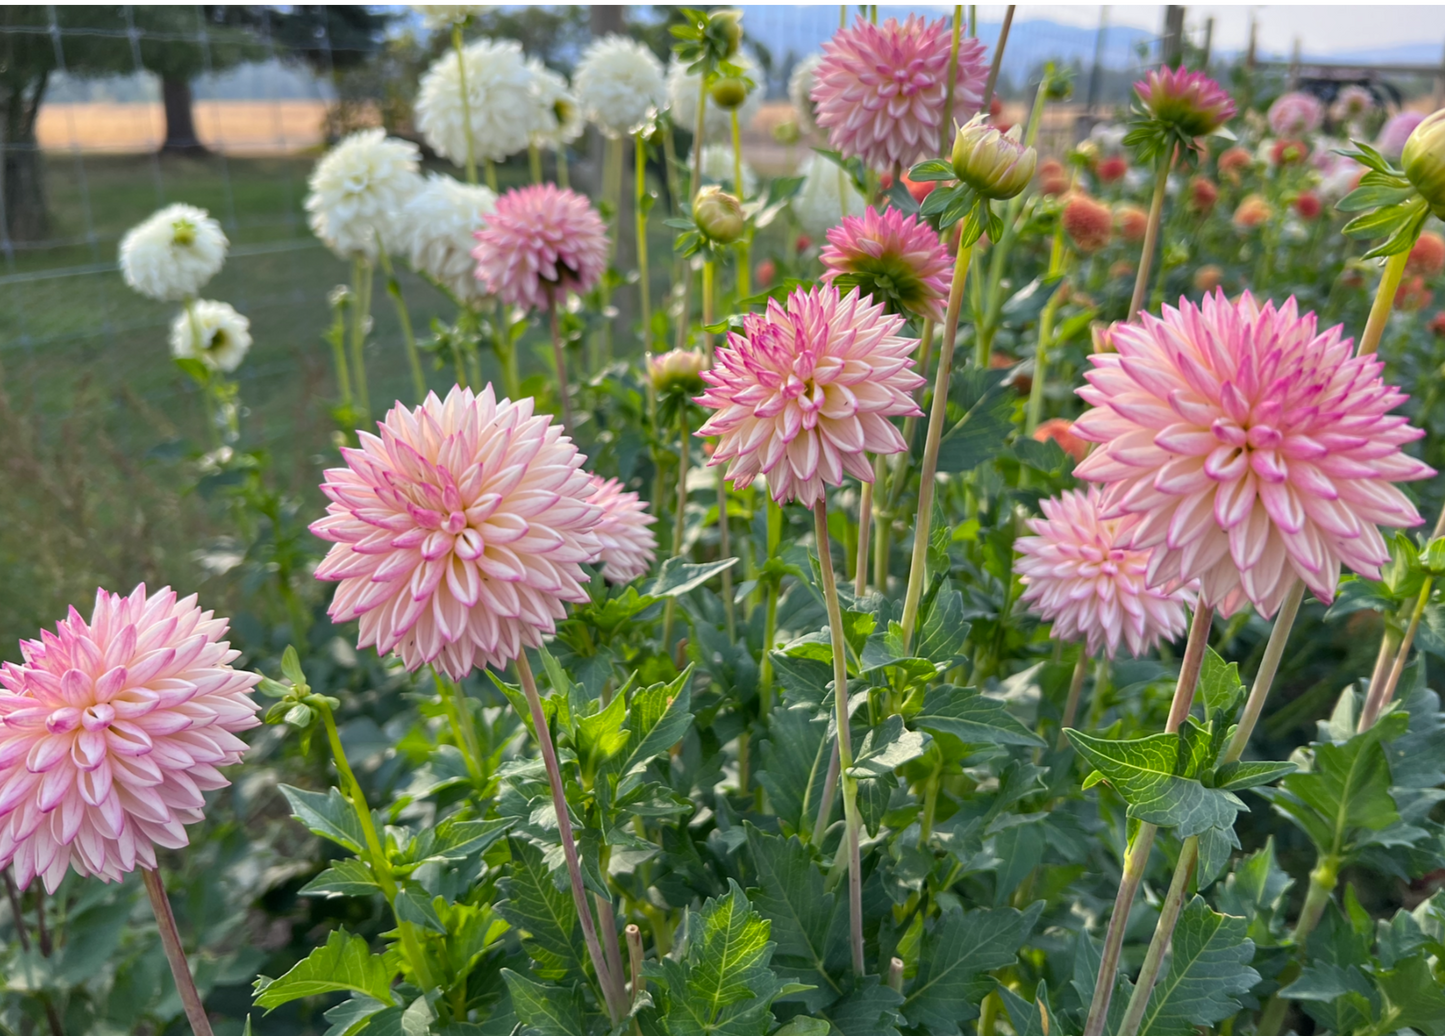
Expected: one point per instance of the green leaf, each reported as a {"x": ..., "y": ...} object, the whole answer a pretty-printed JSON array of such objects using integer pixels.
[
  {"x": 657, "y": 718},
  {"x": 678, "y": 576},
  {"x": 954, "y": 962},
  {"x": 983, "y": 431},
  {"x": 869, "y": 1010},
  {"x": 601, "y": 735},
  {"x": 414, "y": 905},
  {"x": 795, "y": 763},
  {"x": 887, "y": 747},
  {"x": 344, "y": 963},
  {"x": 1144, "y": 771},
  {"x": 1238, "y": 776},
  {"x": 546, "y": 917},
  {"x": 973, "y": 718},
  {"x": 932, "y": 169},
  {"x": 342, "y": 878},
  {"x": 326, "y": 814},
  {"x": 726, "y": 951},
  {"x": 457, "y": 839},
  {"x": 545, "y": 1010},
  {"x": 1208, "y": 972},
  {"x": 1414, "y": 998},
  {"x": 1336, "y": 997},
  {"x": 808, "y": 924},
  {"x": 944, "y": 632},
  {"x": 1028, "y": 1019},
  {"x": 351, "y": 1016},
  {"x": 1219, "y": 685}
]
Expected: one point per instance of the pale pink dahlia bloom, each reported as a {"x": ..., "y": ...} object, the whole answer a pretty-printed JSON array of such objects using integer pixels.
[
  {"x": 628, "y": 545},
  {"x": 459, "y": 532},
  {"x": 1295, "y": 114},
  {"x": 110, "y": 731},
  {"x": 880, "y": 90},
  {"x": 1190, "y": 101},
  {"x": 540, "y": 243},
  {"x": 1256, "y": 448},
  {"x": 1081, "y": 574},
  {"x": 804, "y": 393},
  {"x": 896, "y": 259},
  {"x": 1391, "y": 141}
]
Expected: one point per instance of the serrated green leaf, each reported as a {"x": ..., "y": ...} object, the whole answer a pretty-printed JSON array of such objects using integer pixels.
[
  {"x": 326, "y": 814},
  {"x": 1028, "y": 1019},
  {"x": 887, "y": 747},
  {"x": 344, "y": 963},
  {"x": 545, "y": 1010},
  {"x": 983, "y": 431},
  {"x": 726, "y": 951},
  {"x": 457, "y": 839},
  {"x": 414, "y": 905},
  {"x": 1219, "y": 685},
  {"x": 679, "y": 576},
  {"x": 342, "y": 878},
  {"x": 872, "y": 1009},
  {"x": 351, "y": 1016},
  {"x": 795, "y": 764},
  {"x": 973, "y": 718},
  {"x": 932, "y": 169},
  {"x": 955, "y": 960},
  {"x": 808, "y": 924},
  {"x": 1208, "y": 972},
  {"x": 657, "y": 719},
  {"x": 601, "y": 735},
  {"x": 1414, "y": 998},
  {"x": 945, "y": 631},
  {"x": 1238, "y": 776},
  {"x": 546, "y": 917}
]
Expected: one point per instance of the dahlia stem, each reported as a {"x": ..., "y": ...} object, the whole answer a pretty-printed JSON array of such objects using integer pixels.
[
  {"x": 633, "y": 935},
  {"x": 1138, "y": 854},
  {"x": 1383, "y": 688},
  {"x": 724, "y": 552},
  {"x": 745, "y": 280},
  {"x": 1384, "y": 301},
  {"x": 845, "y": 743},
  {"x": 640, "y": 212},
  {"x": 1151, "y": 235},
  {"x": 403, "y": 316},
  {"x": 560, "y": 158},
  {"x": 697, "y": 132},
  {"x": 910, "y": 423},
  {"x": 1076, "y": 689},
  {"x": 1057, "y": 263},
  {"x": 865, "y": 524},
  {"x": 605, "y": 980},
  {"x": 773, "y": 515},
  {"x": 175, "y": 953},
  {"x": 607, "y": 923},
  {"x": 462, "y": 722},
  {"x": 917, "y": 573},
  {"x": 709, "y": 279},
  {"x": 1008, "y": 20},
  {"x": 946, "y": 129},
  {"x": 466, "y": 102},
  {"x": 534, "y": 161},
  {"x": 1189, "y": 853},
  {"x": 411, "y": 947},
  {"x": 506, "y": 349},
  {"x": 360, "y": 317},
  {"x": 825, "y": 803},
  {"x": 336, "y": 335},
  {"x": 678, "y": 526},
  {"x": 560, "y": 358}
]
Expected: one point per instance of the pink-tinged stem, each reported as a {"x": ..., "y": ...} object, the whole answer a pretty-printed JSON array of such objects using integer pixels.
[
  {"x": 605, "y": 979},
  {"x": 175, "y": 953},
  {"x": 1151, "y": 236},
  {"x": 845, "y": 743},
  {"x": 946, "y": 127},
  {"x": 865, "y": 526}
]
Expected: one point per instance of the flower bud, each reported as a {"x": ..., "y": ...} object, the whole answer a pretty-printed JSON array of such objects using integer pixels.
[
  {"x": 1427, "y": 256},
  {"x": 183, "y": 233},
  {"x": 1307, "y": 205},
  {"x": 678, "y": 371},
  {"x": 1133, "y": 222},
  {"x": 1202, "y": 195},
  {"x": 729, "y": 27},
  {"x": 994, "y": 164},
  {"x": 1111, "y": 168},
  {"x": 729, "y": 92},
  {"x": 1207, "y": 278},
  {"x": 1252, "y": 212},
  {"x": 1088, "y": 223},
  {"x": 1423, "y": 160},
  {"x": 1061, "y": 431},
  {"x": 718, "y": 215}
]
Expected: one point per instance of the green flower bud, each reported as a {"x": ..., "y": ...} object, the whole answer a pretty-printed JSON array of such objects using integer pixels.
[
  {"x": 183, "y": 233},
  {"x": 729, "y": 26},
  {"x": 678, "y": 372},
  {"x": 994, "y": 164},
  {"x": 729, "y": 92},
  {"x": 1424, "y": 161},
  {"x": 718, "y": 215}
]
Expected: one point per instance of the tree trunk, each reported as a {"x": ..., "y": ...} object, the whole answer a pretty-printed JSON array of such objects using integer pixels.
[
  {"x": 180, "y": 122},
  {"x": 21, "y": 172}
]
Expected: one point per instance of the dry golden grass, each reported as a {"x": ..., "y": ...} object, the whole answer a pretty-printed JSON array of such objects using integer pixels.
[{"x": 232, "y": 127}]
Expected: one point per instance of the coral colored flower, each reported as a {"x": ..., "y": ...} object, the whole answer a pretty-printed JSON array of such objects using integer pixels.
[
  {"x": 1256, "y": 448},
  {"x": 1080, "y": 573},
  {"x": 628, "y": 545},
  {"x": 1207, "y": 278},
  {"x": 1427, "y": 257},
  {"x": 804, "y": 393},
  {"x": 803, "y": 243},
  {"x": 1190, "y": 101},
  {"x": 920, "y": 189},
  {"x": 1288, "y": 152},
  {"x": 1294, "y": 114},
  {"x": 1052, "y": 177},
  {"x": 540, "y": 243},
  {"x": 1234, "y": 162},
  {"x": 1203, "y": 194},
  {"x": 1252, "y": 212},
  {"x": 765, "y": 272},
  {"x": 459, "y": 532},
  {"x": 1133, "y": 222},
  {"x": 1391, "y": 141},
  {"x": 880, "y": 90},
  {"x": 1437, "y": 325},
  {"x": 1413, "y": 295},
  {"x": 1058, "y": 430},
  {"x": 111, "y": 730},
  {"x": 896, "y": 259},
  {"x": 1308, "y": 205},
  {"x": 1111, "y": 168},
  {"x": 1088, "y": 223}
]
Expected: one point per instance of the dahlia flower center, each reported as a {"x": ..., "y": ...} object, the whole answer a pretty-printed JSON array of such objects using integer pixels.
[
  {"x": 183, "y": 233},
  {"x": 97, "y": 717}
]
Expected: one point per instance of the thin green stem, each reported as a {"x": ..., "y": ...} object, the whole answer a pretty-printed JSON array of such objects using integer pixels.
[
  {"x": 360, "y": 317},
  {"x": 1058, "y": 258},
  {"x": 639, "y": 196},
  {"x": 466, "y": 105},
  {"x": 559, "y": 356},
  {"x": 1076, "y": 689},
  {"x": 744, "y": 245},
  {"x": 773, "y": 516},
  {"x": 1384, "y": 301},
  {"x": 403, "y": 316},
  {"x": 534, "y": 161},
  {"x": 463, "y": 724},
  {"x": 865, "y": 525},
  {"x": 946, "y": 128},
  {"x": 1151, "y": 234}
]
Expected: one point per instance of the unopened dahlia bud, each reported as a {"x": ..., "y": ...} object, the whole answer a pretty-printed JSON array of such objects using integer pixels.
[
  {"x": 1087, "y": 222},
  {"x": 1427, "y": 256},
  {"x": 1133, "y": 222},
  {"x": 1423, "y": 160},
  {"x": 719, "y": 215},
  {"x": 730, "y": 26},
  {"x": 678, "y": 371},
  {"x": 1253, "y": 211},
  {"x": 996, "y": 165},
  {"x": 1203, "y": 193},
  {"x": 729, "y": 92},
  {"x": 1307, "y": 205}
]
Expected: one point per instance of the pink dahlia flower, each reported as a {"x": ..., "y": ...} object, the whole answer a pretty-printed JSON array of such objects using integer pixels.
[
  {"x": 1294, "y": 114},
  {"x": 628, "y": 545},
  {"x": 896, "y": 259},
  {"x": 1190, "y": 101},
  {"x": 111, "y": 730},
  {"x": 459, "y": 532},
  {"x": 1081, "y": 574},
  {"x": 1391, "y": 141},
  {"x": 540, "y": 243},
  {"x": 880, "y": 90},
  {"x": 1256, "y": 448},
  {"x": 804, "y": 393}
]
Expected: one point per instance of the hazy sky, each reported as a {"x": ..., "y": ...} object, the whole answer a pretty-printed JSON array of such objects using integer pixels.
[{"x": 1322, "y": 28}]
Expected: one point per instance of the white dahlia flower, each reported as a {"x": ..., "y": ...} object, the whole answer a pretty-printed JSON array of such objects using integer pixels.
[
  {"x": 173, "y": 253},
  {"x": 443, "y": 216},
  {"x": 441, "y": 17},
  {"x": 501, "y": 101},
  {"x": 620, "y": 85},
  {"x": 682, "y": 99},
  {"x": 358, "y": 190},
  {"x": 800, "y": 92},
  {"x": 717, "y": 167},
  {"x": 558, "y": 119},
  {"x": 826, "y": 196},
  {"x": 213, "y": 333}
]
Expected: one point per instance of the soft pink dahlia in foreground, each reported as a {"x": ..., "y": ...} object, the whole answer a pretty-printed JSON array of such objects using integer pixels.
[
  {"x": 1396, "y": 131},
  {"x": 1190, "y": 101},
  {"x": 540, "y": 243},
  {"x": 1081, "y": 574},
  {"x": 880, "y": 90},
  {"x": 1256, "y": 448},
  {"x": 628, "y": 545},
  {"x": 111, "y": 730},
  {"x": 1294, "y": 114},
  {"x": 896, "y": 259},
  {"x": 459, "y": 531},
  {"x": 804, "y": 393}
]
